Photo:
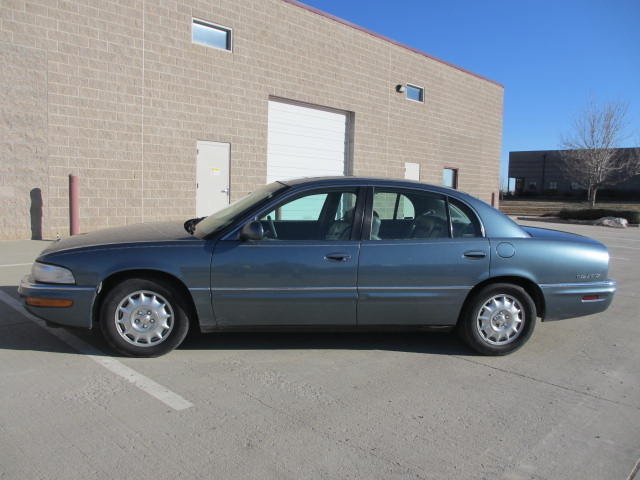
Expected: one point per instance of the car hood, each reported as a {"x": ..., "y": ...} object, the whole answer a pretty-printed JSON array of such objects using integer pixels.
[
  {"x": 548, "y": 234},
  {"x": 139, "y": 233}
]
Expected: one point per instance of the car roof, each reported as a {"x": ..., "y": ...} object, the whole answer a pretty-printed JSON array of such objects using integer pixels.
[{"x": 351, "y": 180}]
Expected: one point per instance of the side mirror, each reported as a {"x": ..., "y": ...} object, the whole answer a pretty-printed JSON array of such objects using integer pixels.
[{"x": 252, "y": 231}]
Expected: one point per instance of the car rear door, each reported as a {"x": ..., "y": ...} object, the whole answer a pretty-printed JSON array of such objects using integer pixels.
[{"x": 422, "y": 254}]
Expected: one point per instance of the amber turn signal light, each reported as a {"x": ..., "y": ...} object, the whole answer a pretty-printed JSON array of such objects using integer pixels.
[{"x": 48, "y": 302}]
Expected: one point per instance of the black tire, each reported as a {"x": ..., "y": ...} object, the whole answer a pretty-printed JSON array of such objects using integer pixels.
[
  {"x": 491, "y": 324},
  {"x": 143, "y": 318}
]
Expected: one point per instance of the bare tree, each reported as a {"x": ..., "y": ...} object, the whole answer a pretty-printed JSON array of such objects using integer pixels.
[{"x": 591, "y": 156}]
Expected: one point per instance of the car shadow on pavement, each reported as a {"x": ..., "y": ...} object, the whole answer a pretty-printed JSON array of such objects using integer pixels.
[
  {"x": 18, "y": 332},
  {"x": 400, "y": 341}
]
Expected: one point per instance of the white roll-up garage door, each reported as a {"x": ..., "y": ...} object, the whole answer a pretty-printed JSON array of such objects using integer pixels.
[{"x": 305, "y": 141}]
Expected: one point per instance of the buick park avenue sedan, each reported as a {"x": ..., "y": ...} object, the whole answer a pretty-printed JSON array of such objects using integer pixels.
[{"x": 335, "y": 253}]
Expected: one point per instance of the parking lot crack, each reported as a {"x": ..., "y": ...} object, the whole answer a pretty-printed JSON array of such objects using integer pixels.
[{"x": 551, "y": 384}]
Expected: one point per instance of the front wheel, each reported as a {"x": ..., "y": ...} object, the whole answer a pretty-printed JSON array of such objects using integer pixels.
[
  {"x": 143, "y": 318},
  {"x": 498, "y": 319}
]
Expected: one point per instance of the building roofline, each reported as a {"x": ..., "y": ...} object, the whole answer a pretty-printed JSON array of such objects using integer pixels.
[{"x": 387, "y": 39}]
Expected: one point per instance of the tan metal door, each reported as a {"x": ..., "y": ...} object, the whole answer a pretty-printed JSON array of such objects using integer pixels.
[{"x": 212, "y": 177}]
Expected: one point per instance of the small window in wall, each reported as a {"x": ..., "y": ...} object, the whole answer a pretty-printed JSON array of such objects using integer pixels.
[
  {"x": 553, "y": 185},
  {"x": 211, "y": 35},
  {"x": 450, "y": 177},
  {"x": 415, "y": 93}
]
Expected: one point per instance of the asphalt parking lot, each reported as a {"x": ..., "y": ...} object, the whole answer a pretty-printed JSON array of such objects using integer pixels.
[{"x": 307, "y": 406}]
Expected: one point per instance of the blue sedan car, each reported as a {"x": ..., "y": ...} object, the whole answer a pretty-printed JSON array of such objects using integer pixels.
[{"x": 335, "y": 253}]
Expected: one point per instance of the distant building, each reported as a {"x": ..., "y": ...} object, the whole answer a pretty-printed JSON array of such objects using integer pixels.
[{"x": 540, "y": 173}]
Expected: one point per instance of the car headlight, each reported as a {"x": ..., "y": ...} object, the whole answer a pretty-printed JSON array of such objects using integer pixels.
[{"x": 44, "y": 273}]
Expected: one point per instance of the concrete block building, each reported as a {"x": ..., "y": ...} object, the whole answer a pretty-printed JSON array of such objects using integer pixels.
[{"x": 169, "y": 109}]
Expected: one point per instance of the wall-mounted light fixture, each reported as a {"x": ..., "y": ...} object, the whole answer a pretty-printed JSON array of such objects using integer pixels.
[{"x": 400, "y": 88}]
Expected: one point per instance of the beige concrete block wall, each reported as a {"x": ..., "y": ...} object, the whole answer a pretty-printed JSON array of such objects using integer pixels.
[
  {"x": 23, "y": 140},
  {"x": 118, "y": 94}
]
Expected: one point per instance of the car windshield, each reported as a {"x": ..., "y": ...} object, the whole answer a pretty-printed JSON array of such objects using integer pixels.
[{"x": 228, "y": 215}]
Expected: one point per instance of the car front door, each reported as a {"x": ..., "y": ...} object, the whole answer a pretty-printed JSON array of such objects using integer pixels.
[
  {"x": 304, "y": 270},
  {"x": 423, "y": 254}
]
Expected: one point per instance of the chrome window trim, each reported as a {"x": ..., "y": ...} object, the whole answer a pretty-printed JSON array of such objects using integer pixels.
[
  {"x": 292, "y": 191},
  {"x": 444, "y": 194}
]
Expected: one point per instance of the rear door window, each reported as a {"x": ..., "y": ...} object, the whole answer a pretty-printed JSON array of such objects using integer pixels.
[
  {"x": 464, "y": 222},
  {"x": 408, "y": 214}
]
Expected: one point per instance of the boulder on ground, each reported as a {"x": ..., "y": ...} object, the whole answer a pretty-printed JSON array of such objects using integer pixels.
[{"x": 614, "y": 222}]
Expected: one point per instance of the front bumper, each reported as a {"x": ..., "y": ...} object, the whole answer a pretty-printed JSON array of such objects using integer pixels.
[
  {"x": 77, "y": 315},
  {"x": 566, "y": 300}
]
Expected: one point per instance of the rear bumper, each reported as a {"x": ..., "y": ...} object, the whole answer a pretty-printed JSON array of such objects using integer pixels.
[
  {"x": 77, "y": 315},
  {"x": 566, "y": 300}
]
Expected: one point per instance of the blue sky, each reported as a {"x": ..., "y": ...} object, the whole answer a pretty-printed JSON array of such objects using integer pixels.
[{"x": 551, "y": 56}]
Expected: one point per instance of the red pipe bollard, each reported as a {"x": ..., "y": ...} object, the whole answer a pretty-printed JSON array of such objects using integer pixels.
[{"x": 74, "y": 205}]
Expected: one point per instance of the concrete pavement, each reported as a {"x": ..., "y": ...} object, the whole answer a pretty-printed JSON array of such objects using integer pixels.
[{"x": 567, "y": 405}]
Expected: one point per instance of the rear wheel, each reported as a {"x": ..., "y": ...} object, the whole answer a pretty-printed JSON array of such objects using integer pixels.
[
  {"x": 143, "y": 318},
  {"x": 498, "y": 319}
]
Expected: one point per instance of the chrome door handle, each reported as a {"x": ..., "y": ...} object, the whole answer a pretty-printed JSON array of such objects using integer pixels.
[
  {"x": 337, "y": 257},
  {"x": 226, "y": 190},
  {"x": 475, "y": 254}
]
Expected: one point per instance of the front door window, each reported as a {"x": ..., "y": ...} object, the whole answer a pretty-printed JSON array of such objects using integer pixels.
[{"x": 315, "y": 216}]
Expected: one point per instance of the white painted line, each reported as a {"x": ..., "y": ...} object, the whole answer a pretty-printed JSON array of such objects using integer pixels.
[
  {"x": 145, "y": 384},
  {"x": 16, "y": 264},
  {"x": 635, "y": 470}
]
